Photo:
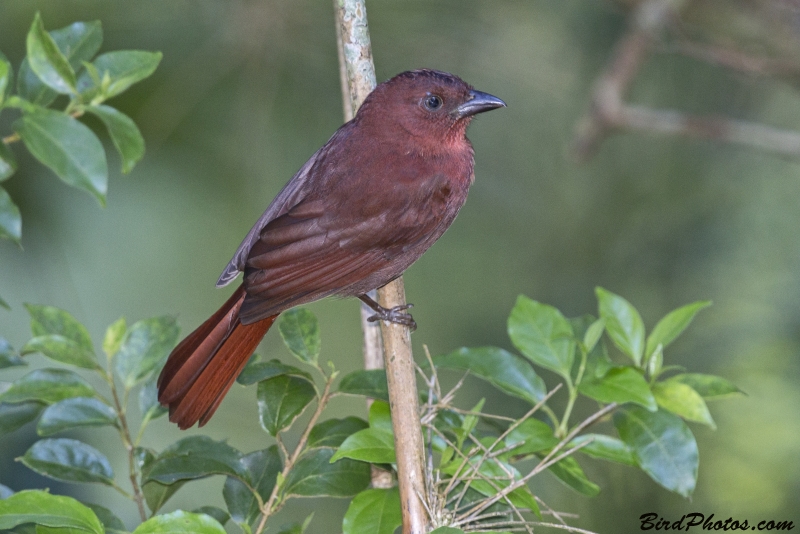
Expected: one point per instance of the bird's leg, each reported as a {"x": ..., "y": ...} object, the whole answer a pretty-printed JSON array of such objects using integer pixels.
[{"x": 393, "y": 315}]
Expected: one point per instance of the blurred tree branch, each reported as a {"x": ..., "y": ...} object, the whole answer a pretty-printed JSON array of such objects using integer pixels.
[{"x": 648, "y": 22}]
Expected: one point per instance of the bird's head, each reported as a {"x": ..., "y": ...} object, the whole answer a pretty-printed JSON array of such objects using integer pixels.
[{"x": 428, "y": 105}]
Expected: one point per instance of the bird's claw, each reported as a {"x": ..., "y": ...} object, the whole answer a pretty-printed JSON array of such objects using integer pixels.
[{"x": 396, "y": 315}]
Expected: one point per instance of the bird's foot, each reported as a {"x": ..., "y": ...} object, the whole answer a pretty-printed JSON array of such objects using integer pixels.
[{"x": 395, "y": 315}]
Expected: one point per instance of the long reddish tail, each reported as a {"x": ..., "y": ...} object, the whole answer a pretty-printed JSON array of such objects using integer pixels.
[{"x": 204, "y": 366}]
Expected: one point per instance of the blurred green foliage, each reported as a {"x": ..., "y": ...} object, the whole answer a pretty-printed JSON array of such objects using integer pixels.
[{"x": 247, "y": 90}]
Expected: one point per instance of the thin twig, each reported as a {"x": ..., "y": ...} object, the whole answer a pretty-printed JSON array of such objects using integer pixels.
[
  {"x": 267, "y": 509},
  {"x": 281, "y": 445},
  {"x": 544, "y": 462},
  {"x": 562, "y": 527},
  {"x": 125, "y": 434},
  {"x": 444, "y": 401},
  {"x": 477, "y": 476},
  {"x": 559, "y": 516},
  {"x": 510, "y": 429},
  {"x": 481, "y": 414}
]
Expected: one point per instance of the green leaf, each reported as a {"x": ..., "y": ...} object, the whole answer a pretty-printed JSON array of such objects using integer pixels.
[
  {"x": 281, "y": 399},
  {"x": 42, "y": 508},
  {"x": 371, "y": 445},
  {"x": 10, "y": 218},
  {"x": 69, "y": 460},
  {"x": 623, "y": 323},
  {"x": 31, "y": 88},
  {"x": 370, "y": 383},
  {"x": 115, "y": 335},
  {"x": 296, "y": 527},
  {"x": 8, "y": 357},
  {"x": 14, "y": 416},
  {"x": 570, "y": 473},
  {"x": 470, "y": 422},
  {"x": 314, "y": 476},
  {"x": 8, "y": 163},
  {"x": 300, "y": 332},
  {"x": 620, "y": 384},
  {"x": 598, "y": 363},
  {"x": 655, "y": 362},
  {"x": 663, "y": 445},
  {"x": 504, "y": 370},
  {"x": 593, "y": 334},
  {"x": 534, "y": 435},
  {"x": 373, "y": 511},
  {"x": 523, "y": 498},
  {"x": 447, "y": 530},
  {"x": 47, "y": 386},
  {"x": 49, "y": 320},
  {"x": 155, "y": 493},
  {"x": 605, "y": 447},
  {"x": 180, "y": 522},
  {"x": 123, "y": 69},
  {"x": 195, "y": 457},
  {"x": 148, "y": 402},
  {"x": 76, "y": 412},
  {"x": 259, "y": 371},
  {"x": 709, "y": 387},
  {"x": 78, "y": 42},
  {"x": 220, "y": 515},
  {"x": 673, "y": 324},
  {"x": 380, "y": 416},
  {"x": 145, "y": 348},
  {"x": 263, "y": 468},
  {"x": 124, "y": 134},
  {"x": 542, "y": 334},
  {"x": 6, "y": 79},
  {"x": 62, "y": 350},
  {"x": 112, "y": 523},
  {"x": 47, "y": 61},
  {"x": 69, "y": 148},
  {"x": 333, "y": 432},
  {"x": 682, "y": 400}
]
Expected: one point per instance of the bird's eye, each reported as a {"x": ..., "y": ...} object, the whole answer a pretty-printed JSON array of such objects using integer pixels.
[{"x": 432, "y": 102}]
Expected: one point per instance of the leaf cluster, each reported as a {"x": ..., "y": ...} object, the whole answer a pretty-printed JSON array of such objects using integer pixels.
[
  {"x": 61, "y": 79},
  {"x": 476, "y": 459},
  {"x": 257, "y": 484}
]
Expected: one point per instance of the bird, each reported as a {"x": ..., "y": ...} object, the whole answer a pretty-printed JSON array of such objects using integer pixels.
[{"x": 356, "y": 215}]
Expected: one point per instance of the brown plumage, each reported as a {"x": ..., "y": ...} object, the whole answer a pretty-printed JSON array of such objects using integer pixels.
[{"x": 366, "y": 205}]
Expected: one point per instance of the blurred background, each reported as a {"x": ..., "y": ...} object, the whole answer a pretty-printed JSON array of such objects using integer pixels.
[{"x": 248, "y": 90}]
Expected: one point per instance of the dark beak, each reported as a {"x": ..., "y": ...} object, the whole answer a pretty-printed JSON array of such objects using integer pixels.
[{"x": 478, "y": 103}]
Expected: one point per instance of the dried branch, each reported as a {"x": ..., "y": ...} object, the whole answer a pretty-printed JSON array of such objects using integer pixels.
[
  {"x": 609, "y": 112},
  {"x": 547, "y": 461}
]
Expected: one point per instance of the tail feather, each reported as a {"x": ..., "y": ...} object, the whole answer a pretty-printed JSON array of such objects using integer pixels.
[{"x": 203, "y": 367}]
